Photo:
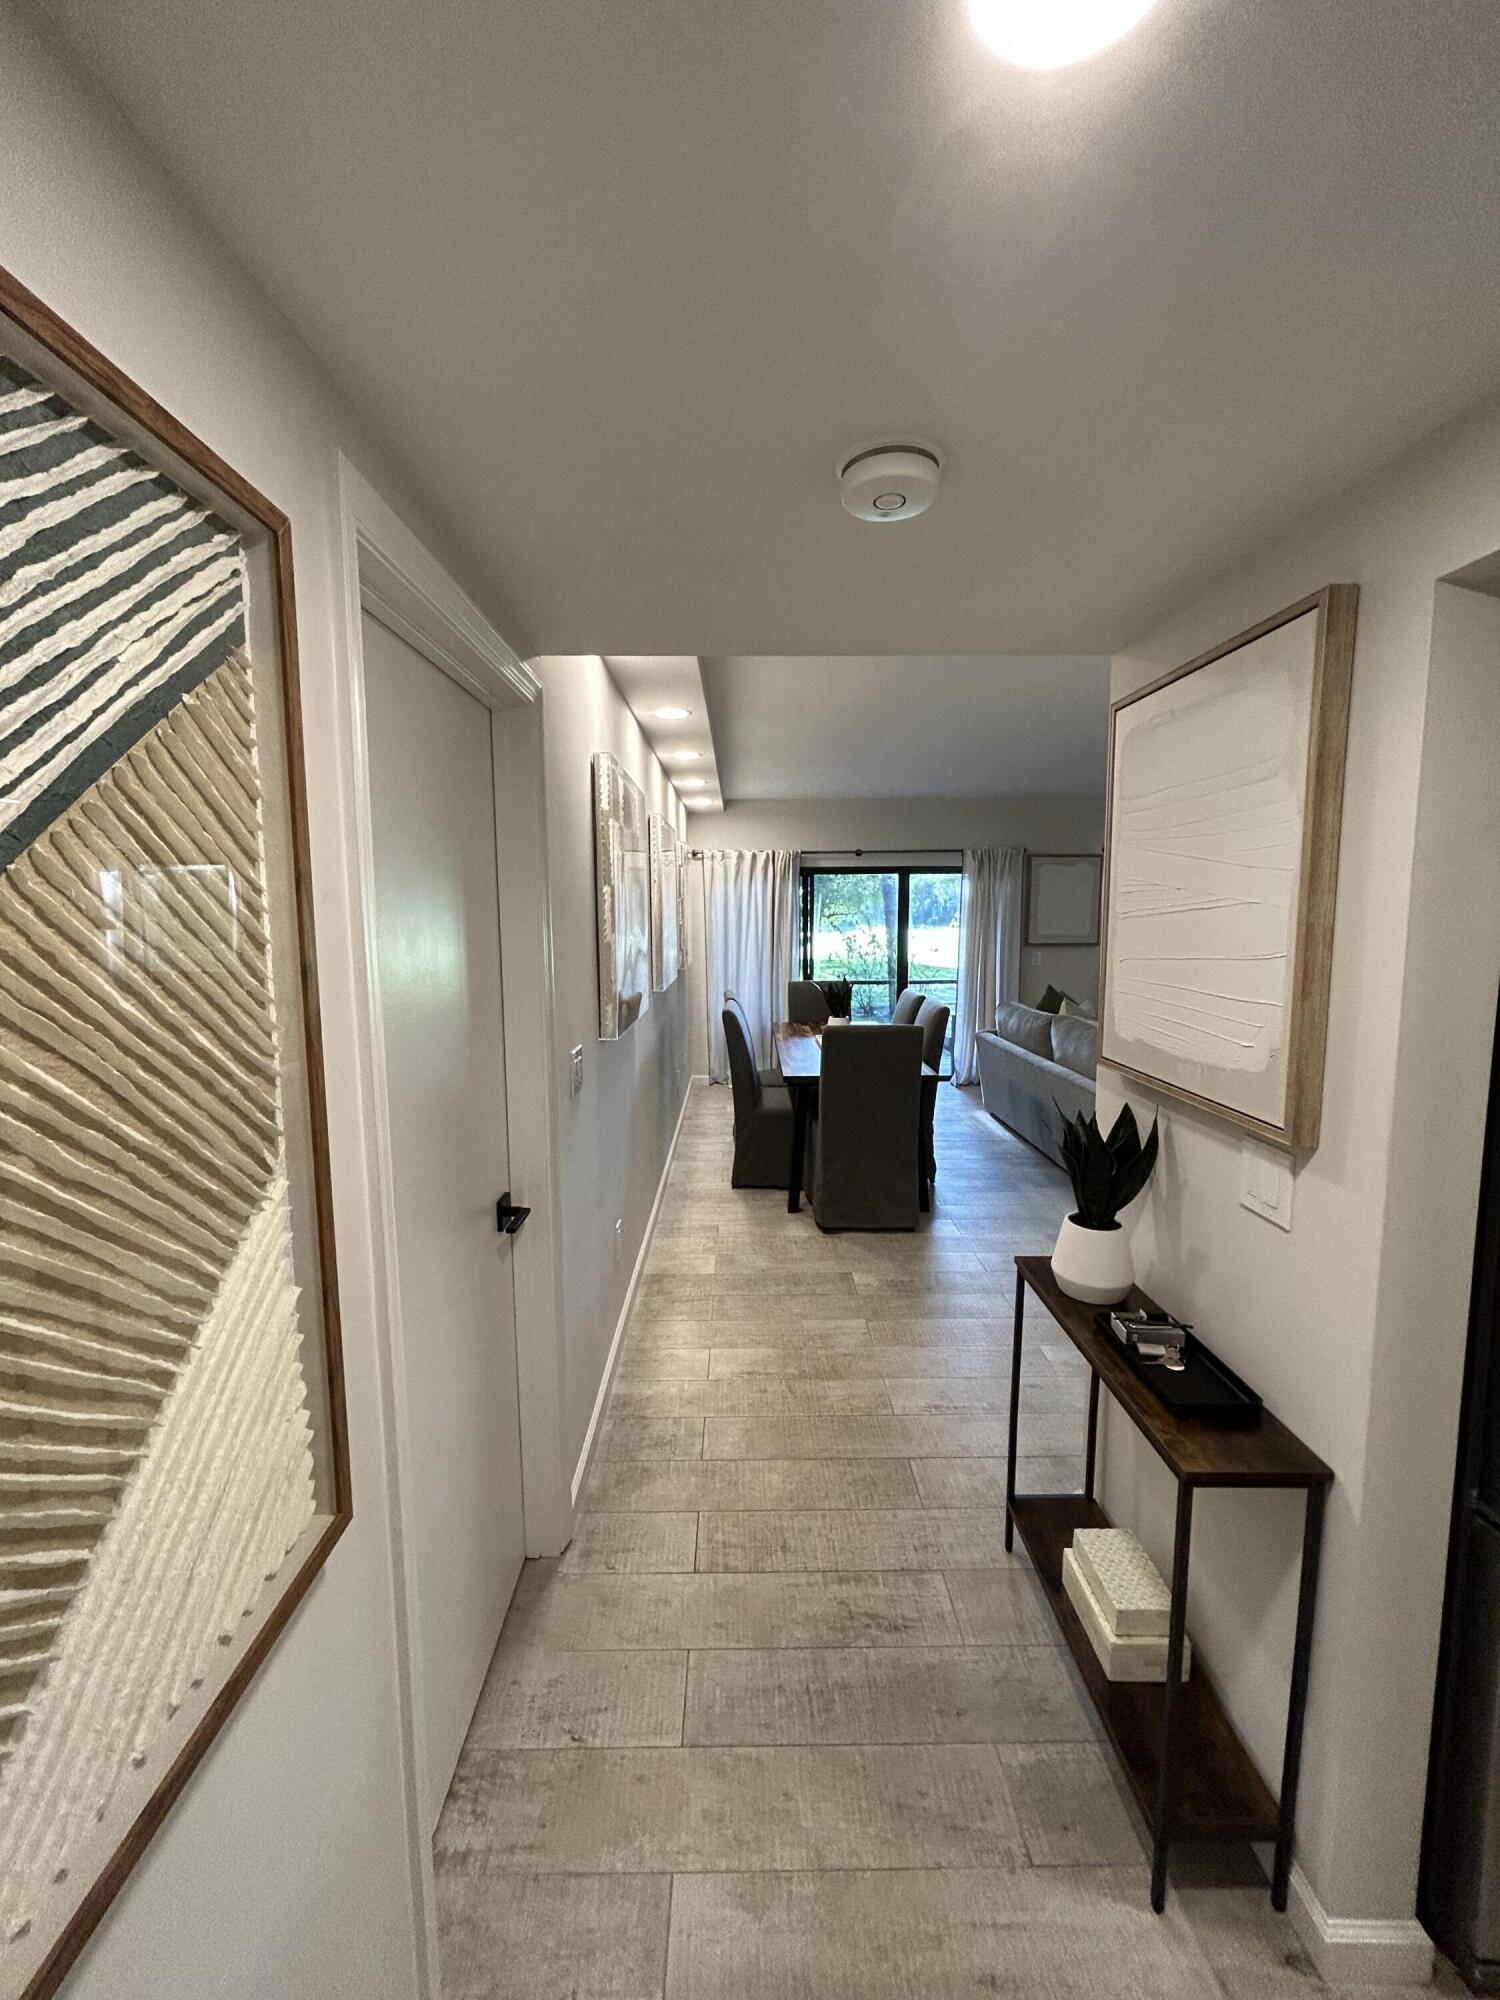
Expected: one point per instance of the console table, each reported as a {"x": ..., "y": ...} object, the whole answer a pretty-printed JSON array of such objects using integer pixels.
[{"x": 1190, "y": 1774}]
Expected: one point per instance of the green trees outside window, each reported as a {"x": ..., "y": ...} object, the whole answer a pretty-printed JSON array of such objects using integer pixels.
[{"x": 883, "y": 929}]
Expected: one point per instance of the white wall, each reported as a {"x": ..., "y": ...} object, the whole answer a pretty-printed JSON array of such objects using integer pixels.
[
  {"x": 1353, "y": 1325},
  {"x": 286, "y": 1868},
  {"x": 614, "y": 1135},
  {"x": 891, "y": 828}
]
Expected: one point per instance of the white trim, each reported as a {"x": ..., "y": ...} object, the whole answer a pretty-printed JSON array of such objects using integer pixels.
[
  {"x": 585, "y": 1457},
  {"x": 1356, "y": 1951},
  {"x": 385, "y": 567}
]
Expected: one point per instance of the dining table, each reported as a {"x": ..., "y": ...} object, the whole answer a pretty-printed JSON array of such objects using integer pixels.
[{"x": 799, "y": 1056}]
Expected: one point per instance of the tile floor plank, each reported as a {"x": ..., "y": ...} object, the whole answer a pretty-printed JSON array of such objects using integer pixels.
[
  {"x": 675, "y": 1811},
  {"x": 872, "y": 1694}
]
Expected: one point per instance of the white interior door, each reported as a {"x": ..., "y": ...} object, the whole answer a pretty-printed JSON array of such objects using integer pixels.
[{"x": 432, "y": 802}]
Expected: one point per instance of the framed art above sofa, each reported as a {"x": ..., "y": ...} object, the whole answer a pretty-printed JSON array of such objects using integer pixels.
[{"x": 1226, "y": 781}]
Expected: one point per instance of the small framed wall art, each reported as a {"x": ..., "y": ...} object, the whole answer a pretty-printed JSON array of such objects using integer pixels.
[
  {"x": 173, "y": 1455},
  {"x": 622, "y": 883},
  {"x": 1062, "y": 898},
  {"x": 666, "y": 904},
  {"x": 1226, "y": 784}
]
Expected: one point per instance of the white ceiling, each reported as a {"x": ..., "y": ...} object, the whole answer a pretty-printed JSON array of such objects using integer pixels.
[
  {"x": 619, "y": 283},
  {"x": 934, "y": 727}
]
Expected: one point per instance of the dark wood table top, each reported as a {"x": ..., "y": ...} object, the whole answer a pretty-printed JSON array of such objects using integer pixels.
[
  {"x": 799, "y": 1052},
  {"x": 1267, "y": 1454}
]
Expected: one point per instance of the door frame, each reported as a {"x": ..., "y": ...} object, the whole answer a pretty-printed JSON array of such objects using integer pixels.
[{"x": 388, "y": 572}]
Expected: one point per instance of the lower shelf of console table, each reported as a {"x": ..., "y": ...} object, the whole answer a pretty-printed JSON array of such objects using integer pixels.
[
  {"x": 1214, "y": 1791},
  {"x": 1191, "y": 1775}
]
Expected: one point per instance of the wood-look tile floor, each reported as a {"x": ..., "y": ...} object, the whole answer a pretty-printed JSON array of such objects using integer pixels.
[{"x": 785, "y": 1722}]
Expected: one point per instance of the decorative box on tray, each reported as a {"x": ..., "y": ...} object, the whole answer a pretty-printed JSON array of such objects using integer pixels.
[{"x": 1122, "y": 1603}]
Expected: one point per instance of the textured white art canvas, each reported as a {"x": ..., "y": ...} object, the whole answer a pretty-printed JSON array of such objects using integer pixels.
[
  {"x": 1209, "y": 786},
  {"x": 666, "y": 905},
  {"x": 159, "y": 1432},
  {"x": 622, "y": 876}
]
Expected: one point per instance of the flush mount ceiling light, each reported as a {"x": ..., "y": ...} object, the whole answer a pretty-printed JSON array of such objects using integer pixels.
[
  {"x": 671, "y": 714},
  {"x": 1050, "y": 34},
  {"x": 889, "y": 482}
]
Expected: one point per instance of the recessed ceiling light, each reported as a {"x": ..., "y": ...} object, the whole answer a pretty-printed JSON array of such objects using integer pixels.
[
  {"x": 686, "y": 756},
  {"x": 671, "y": 714},
  {"x": 692, "y": 784},
  {"x": 697, "y": 805},
  {"x": 1049, "y": 34}
]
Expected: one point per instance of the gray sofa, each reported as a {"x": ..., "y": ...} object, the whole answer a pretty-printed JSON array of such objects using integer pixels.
[{"x": 1032, "y": 1064}]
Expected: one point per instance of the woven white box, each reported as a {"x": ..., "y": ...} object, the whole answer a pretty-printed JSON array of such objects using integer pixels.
[
  {"x": 1127, "y": 1586},
  {"x": 1122, "y": 1659}
]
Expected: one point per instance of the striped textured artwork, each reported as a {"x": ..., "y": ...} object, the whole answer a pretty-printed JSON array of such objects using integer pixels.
[
  {"x": 118, "y": 594},
  {"x": 156, "y": 1462}
]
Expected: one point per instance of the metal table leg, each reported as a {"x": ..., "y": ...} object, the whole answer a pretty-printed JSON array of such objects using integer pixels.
[
  {"x": 1176, "y": 1633},
  {"x": 799, "y": 1148},
  {"x": 1091, "y": 1448},
  {"x": 1296, "y": 1713},
  {"x": 1015, "y": 1412}
]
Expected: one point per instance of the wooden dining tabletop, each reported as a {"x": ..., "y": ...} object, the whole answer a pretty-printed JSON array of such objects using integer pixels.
[{"x": 799, "y": 1052}]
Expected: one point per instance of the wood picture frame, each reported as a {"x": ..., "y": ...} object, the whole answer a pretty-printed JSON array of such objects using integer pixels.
[
  {"x": 121, "y": 421},
  {"x": 1282, "y": 688},
  {"x": 1079, "y": 876}
]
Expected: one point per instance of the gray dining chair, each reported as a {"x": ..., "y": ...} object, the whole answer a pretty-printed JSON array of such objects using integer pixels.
[
  {"x": 908, "y": 1004},
  {"x": 868, "y": 1131},
  {"x": 762, "y": 1111},
  {"x": 806, "y": 1005},
  {"x": 932, "y": 1019}
]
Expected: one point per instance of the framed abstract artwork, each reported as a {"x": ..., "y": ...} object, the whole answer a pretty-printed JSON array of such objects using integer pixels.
[
  {"x": 1062, "y": 898},
  {"x": 682, "y": 906},
  {"x": 622, "y": 884},
  {"x": 1226, "y": 784},
  {"x": 173, "y": 1454},
  {"x": 666, "y": 904}
]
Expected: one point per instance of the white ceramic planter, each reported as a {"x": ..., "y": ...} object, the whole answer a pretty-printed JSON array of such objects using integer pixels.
[{"x": 1093, "y": 1264}]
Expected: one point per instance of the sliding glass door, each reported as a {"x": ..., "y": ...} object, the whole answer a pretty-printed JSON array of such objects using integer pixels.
[{"x": 882, "y": 929}]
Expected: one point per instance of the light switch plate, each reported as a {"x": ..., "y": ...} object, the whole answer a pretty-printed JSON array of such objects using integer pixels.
[
  {"x": 576, "y": 1062},
  {"x": 1267, "y": 1180}
]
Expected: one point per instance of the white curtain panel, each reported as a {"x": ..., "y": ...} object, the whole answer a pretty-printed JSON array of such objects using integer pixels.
[
  {"x": 750, "y": 906},
  {"x": 989, "y": 949}
]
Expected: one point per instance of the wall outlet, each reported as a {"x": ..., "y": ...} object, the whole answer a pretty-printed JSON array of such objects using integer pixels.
[
  {"x": 1268, "y": 1178},
  {"x": 575, "y": 1064}
]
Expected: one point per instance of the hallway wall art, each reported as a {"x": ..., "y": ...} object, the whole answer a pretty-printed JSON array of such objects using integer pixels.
[
  {"x": 1226, "y": 785},
  {"x": 666, "y": 904},
  {"x": 173, "y": 1457},
  {"x": 622, "y": 883}
]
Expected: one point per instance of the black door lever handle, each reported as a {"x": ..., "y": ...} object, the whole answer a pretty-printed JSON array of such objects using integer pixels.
[{"x": 508, "y": 1218}]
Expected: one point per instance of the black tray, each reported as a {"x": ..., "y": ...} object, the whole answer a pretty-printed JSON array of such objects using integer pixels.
[{"x": 1206, "y": 1388}]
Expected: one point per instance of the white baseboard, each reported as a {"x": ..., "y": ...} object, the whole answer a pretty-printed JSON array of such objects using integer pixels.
[
  {"x": 1359, "y": 1951},
  {"x": 585, "y": 1457}
]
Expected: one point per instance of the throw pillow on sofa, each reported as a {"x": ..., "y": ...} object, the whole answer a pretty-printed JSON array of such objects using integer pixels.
[
  {"x": 1026, "y": 1027},
  {"x": 1075, "y": 1045}
]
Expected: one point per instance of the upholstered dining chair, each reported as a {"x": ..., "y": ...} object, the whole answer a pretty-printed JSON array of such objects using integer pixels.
[
  {"x": 908, "y": 1004},
  {"x": 762, "y": 1111},
  {"x": 806, "y": 1006},
  {"x": 868, "y": 1131},
  {"x": 932, "y": 1019}
]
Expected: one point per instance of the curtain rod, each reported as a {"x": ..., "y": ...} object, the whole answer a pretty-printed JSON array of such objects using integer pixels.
[{"x": 859, "y": 853}]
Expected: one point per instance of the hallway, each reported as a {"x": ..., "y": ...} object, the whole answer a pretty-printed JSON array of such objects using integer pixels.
[{"x": 785, "y": 1720}]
